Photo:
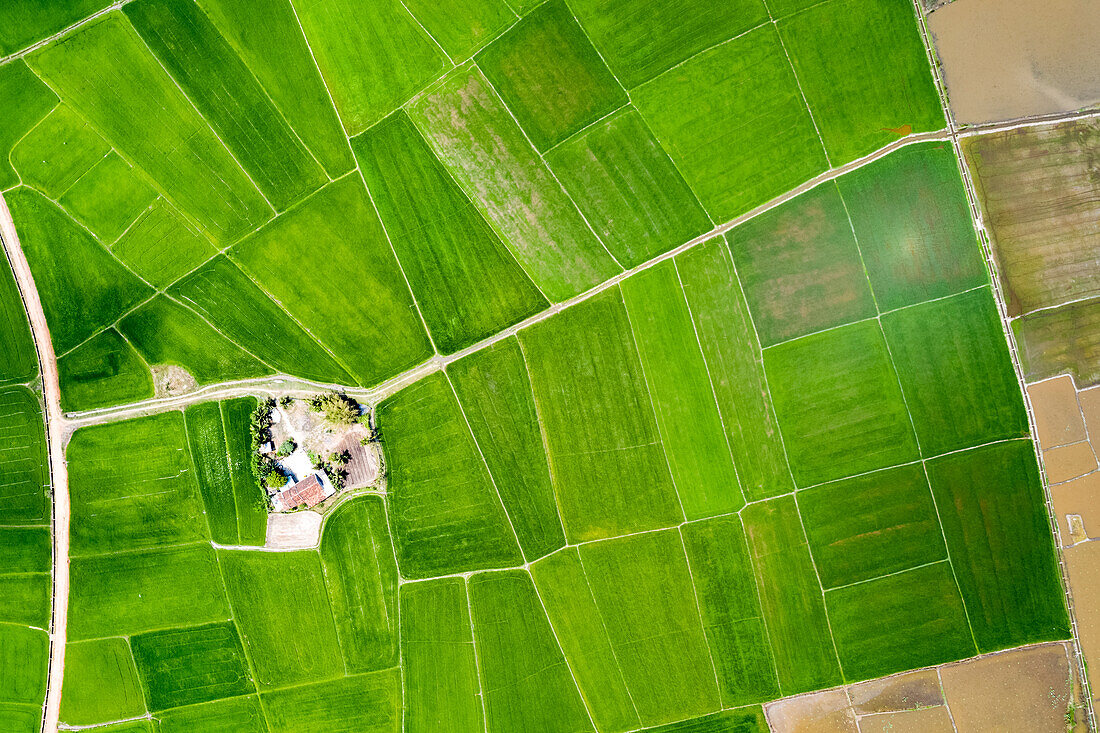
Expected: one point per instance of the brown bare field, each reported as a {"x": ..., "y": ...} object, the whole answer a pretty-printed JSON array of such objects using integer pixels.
[
  {"x": 901, "y": 692},
  {"x": 1004, "y": 60},
  {"x": 1069, "y": 462},
  {"x": 1089, "y": 399},
  {"x": 1063, "y": 339},
  {"x": 926, "y": 720},
  {"x": 296, "y": 531},
  {"x": 1083, "y": 563},
  {"x": 1058, "y": 418},
  {"x": 1079, "y": 497},
  {"x": 816, "y": 712}
]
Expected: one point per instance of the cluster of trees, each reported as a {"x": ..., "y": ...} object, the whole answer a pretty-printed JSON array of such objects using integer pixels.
[
  {"x": 267, "y": 471},
  {"x": 337, "y": 407}
]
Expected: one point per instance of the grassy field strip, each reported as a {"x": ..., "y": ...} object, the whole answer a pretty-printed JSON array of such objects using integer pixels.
[
  {"x": 699, "y": 611},
  {"x": 63, "y": 32}
]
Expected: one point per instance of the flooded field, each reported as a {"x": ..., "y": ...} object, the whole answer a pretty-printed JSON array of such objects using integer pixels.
[{"x": 1004, "y": 60}]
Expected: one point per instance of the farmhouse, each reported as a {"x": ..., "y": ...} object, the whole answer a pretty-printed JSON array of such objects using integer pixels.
[{"x": 310, "y": 491}]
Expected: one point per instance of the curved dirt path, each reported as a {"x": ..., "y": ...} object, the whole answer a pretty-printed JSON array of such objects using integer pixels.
[{"x": 59, "y": 475}]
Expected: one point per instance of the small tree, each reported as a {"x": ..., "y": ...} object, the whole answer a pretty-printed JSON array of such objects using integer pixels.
[
  {"x": 341, "y": 458},
  {"x": 286, "y": 401},
  {"x": 288, "y": 446}
]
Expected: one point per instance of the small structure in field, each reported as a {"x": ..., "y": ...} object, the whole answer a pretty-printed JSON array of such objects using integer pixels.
[{"x": 308, "y": 492}]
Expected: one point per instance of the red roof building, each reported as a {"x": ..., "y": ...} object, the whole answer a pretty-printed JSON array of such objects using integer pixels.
[{"x": 308, "y": 491}]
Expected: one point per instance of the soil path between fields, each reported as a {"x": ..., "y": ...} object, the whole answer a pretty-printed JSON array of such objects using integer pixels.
[{"x": 59, "y": 474}]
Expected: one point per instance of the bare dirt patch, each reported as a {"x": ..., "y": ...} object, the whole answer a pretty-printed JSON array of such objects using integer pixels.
[
  {"x": 1083, "y": 564},
  {"x": 1089, "y": 399},
  {"x": 817, "y": 712},
  {"x": 926, "y": 720},
  {"x": 1069, "y": 462},
  {"x": 1058, "y": 418},
  {"x": 170, "y": 380},
  {"x": 901, "y": 692},
  {"x": 1079, "y": 498},
  {"x": 294, "y": 531}
]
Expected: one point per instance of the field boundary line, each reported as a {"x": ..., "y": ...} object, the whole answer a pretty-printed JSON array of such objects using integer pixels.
[
  {"x": 820, "y": 586},
  {"x": 699, "y": 610},
  {"x": 63, "y": 32},
  {"x": 888, "y": 575},
  {"x": 586, "y": 129},
  {"x": 428, "y": 33},
  {"x": 477, "y": 657}
]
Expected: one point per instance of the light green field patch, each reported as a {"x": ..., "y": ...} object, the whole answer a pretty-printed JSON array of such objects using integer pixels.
[
  {"x": 644, "y": 591},
  {"x": 260, "y": 586},
  {"x": 25, "y": 549},
  {"x": 606, "y": 456},
  {"x": 106, "y": 73},
  {"x": 361, "y": 575},
  {"x": 21, "y": 718},
  {"x": 236, "y": 306},
  {"x": 23, "y": 667},
  {"x": 371, "y": 53},
  {"x": 103, "y": 371},
  {"x": 446, "y": 249},
  {"x": 235, "y": 715},
  {"x": 914, "y": 619},
  {"x": 444, "y": 509},
  {"x": 102, "y": 683},
  {"x": 347, "y": 289},
  {"x": 742, "y": 720},
  {"x": 735, "y": 124},
  {"x": 571, "y": 608},
  {"x": 206, "y": 438},
  {"x": 81, "y": 286},
  {"x": 628, "y": 188},
  {"x": 864, "y": 71},
  {"x": 730, "y": 608},
  {"x": 461, "y": 26},
  {"x": 25, "y": 599},
  {"x": 23, "y": 22},
  {"x": 58, "y": 151},
  {"x": 110, "y": 594},
  {"x": 801, "y": 268},
  {"x": 26, "y": 102},
  {"x": 525, "y": 679},
  {"x": 479, "y": 142},
  {"x": 732, "y": 354},
  {"x": 790, "y": 597},
  {"x": 369, "y": 703},
  {"x": 838, "y": 402},
  {"x": 109, "y": 197},
  {"x": 161, "y": 247},
  {"x": 550, "y": 76},
  {"x": 862, "y": 528},
  {"x": 683, "y": 398},
  {"x": 442, "y": 688},
  {"x": 642, "y": 38},
  {"x": 229, "y": 98},
  {"x": 24, "y": 467},
  {"x": 995, "y": 520},
  {"x": 958, "y": 379},
  {"x": 18, "y": 359},
  {"x": 165, "y": 332},
  {"x": 913, "y": 225},
  {"x": 250, "y": 498},
  {"x": 494, "y": 390}
]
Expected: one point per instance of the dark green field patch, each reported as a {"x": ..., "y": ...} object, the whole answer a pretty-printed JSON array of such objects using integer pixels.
[
  {"x": 161, "y": 247},
  {"x": 801, "y": 268},
  {"x": 461, "y": 26},
  {"x": 105, "y": 370},
  {"x": 251, "y": 499},
  {"x": 236, "y": 715},
  {"x": 525, "y": 680},
  {"x": 58, "y": 151},
  {"x": 25, "y": 549},
  {"x": 744, "y": 720},
  {"x": 18, "y": 359},
  {"x": 190, "y": 665},
  {"x": 444, "y": 509},
  {"x": 910, "y": 216},
  {"x": 23, "y": 666},
  {"x": 550, "y": 76},
  {"x": 101, "y": 683},
  {"x": 24, "y": 470},
  {"x": 206, "y": 438},
  {"x": 864, "y": 71},
  {"x": 958, "y": 379},
  {"x": 446, "y": 249},
  {"x": 110, "y": 594},
  {"x": 109, "y": 197},
  {"x": 361, "y": 575},
  {"x": 733, "y": 120},
  {"x": 369, "y": 703},
  {"x": 81, "y": 286},
  {"x": 790, "y": 597},
  {"x": 839, "y": 404},
  {"x": 132, "y": 486},
  {"x": 628, "y": 188},
  {"x": 165, "y": 332},
  {"x": 27, "y": 102},
  {"x": 23, "y": 22},
  {"x": 495, "y": 393},
  {"x": 25, "y": 599},
  {"x": 864, "y": 527},
  {"x": 21, "y": 718},
  {"x": 610, "y": 473},
  {"x": 913, "y": 619},
  {"x": 994, "y": 517}
]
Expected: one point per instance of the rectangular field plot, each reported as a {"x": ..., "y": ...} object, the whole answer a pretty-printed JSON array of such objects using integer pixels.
[
  {"x": 191, "y": 665},
  {"x": 28, "y": 101},
  {"x": 839, "y": 404},
  {"x": 479, "y": 142},
  {"x": 462, "y": 26},
  {"x": 525, "y": 678},
  {"x": 161, "y": 246},
  {"x": 865, "y": 74},
  {"x": 110, "y": 593},
  {"x": 734, "y": 122},
  {"x": 24, "y": 22},
  {"x": 790, "y": 597},
  {"x": 24, "y": 468},
  {"x": 958, "y": 379},
  {"x": 361, "y": 575},
  {"x": 446, "y": 249},
  {"x": 911, "y": 219},
  {"x": 101, "y": 683},
  {"x": 18, "y": 361},
  {"x": 105, "y": 71},
  {"x": 23, "y": 665},
  {"x": 743, "y": 720},
  {"x": 550, "y": 76},
  {"x": 235, "y": 715},
  {"x": 442, "y": 688},
  {"x": 1065, "y": 339},
  {"x": 206, "y": 438},
  {"x": 81, "y": 286},
  {"x": 862, "y": 528},
  {"x": 444, "y": 509},
  {"x": 260, "y": 584},
  {"x": 250, "y": 497},
  {"x": 606, "y": 456},
  {"x": 58, "y": 151},
  {"x": 494, "y": 390},
  {"x": 993, "y": 513},
  {"x": 732, "y": 354},
  {"x": 25, "y": 599},
  {"x": 800, "y": 267},
  {"x": 913, "y": 619},
  {"x": 109, "y": 197},
  {"x": 683, "y": 397},
  {"x": 646, "y": 597},
  {"x": 370, "y": 703},
  {"x": 628, "y": 188},
  {"x": 25, "y": 549}
]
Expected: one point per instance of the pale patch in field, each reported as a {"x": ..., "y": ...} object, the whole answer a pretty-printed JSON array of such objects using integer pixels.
[
  {"x": 816, "y": 712},
  {"x": 1057, "y": 414},
  {"x": 295, "y": 531},
  {"x": 170, "y": 380}
]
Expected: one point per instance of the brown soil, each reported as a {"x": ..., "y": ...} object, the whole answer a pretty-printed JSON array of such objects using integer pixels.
[
  {"x": 1089, "y": 400},
  {"x": 901, "y": 692},
  {"x": 170, "y": 380},
  {"x": 294, "y": 531},
  {"x": 818, "y": 712},
  {"x": 1057, "y": 416},
  {"x": 1080, "y": 497},
  {"x": 1083, "y": 563},
  {"x": 310, "y": 430},
  {"x": 927, "y": 720},
  {"x": 1069, "y": 462},
  {"x": 1023, "y": 690}
]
